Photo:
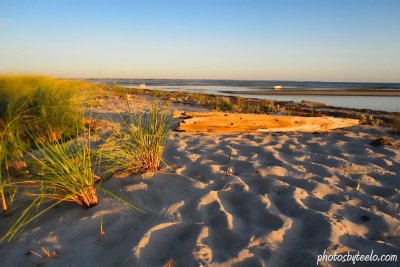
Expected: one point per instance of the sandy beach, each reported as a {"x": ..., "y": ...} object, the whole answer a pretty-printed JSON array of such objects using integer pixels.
[
  {"x": 199, "y": 133},
  {"x": 231, "y": 199}
]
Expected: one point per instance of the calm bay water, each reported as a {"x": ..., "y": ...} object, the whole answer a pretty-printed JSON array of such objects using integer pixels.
[
  {"x": 384, "y": 103},
  {"x": 216, "y": 87}
]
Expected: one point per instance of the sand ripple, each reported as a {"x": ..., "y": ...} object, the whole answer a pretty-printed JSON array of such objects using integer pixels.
[{"x": 282, "y": 201}]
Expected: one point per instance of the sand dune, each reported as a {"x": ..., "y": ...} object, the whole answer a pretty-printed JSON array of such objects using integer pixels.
[{"x": 284, "y": 199}]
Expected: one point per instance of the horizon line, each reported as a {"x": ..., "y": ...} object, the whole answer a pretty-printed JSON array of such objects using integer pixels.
[{"x": 221, "y": 79}]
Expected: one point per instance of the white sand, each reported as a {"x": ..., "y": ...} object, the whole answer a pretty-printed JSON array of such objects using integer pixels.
[{"x": 286, "y": 198}]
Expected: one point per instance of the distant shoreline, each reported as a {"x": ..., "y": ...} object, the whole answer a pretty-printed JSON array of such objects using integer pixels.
[{"x": 318, "y": 92}]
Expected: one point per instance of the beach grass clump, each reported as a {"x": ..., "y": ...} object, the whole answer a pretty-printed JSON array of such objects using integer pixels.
[
  {"x": 94, "y": 103},
  {"x": 123, "y": 91},
  {"x": 63, "y": 172},
  {"x": 178, "y": 97},
  {"x": 251, "y": 106},
  {"x": 395, "y": 125},
  {"x": 47, "y": 103},
  {"x": 216, "y": 102},
  {"x": 365, "y": 119},
  {"x": 11, "y": 152},
  {"x": 157, "y": 93},
  {"x": 202, "y": 99},
  {"x": 223, "y": 104},
  {"x": 15, "y": 87},
  {"x": 58, "y": 172},
  {"x": 53, "y": 113},
  {"x": 139, "y": 144},
  {"x": 31, "y": 107}
]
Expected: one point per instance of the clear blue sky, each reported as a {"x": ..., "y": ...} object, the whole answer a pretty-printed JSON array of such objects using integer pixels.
[{"x": 336, "y": 40}]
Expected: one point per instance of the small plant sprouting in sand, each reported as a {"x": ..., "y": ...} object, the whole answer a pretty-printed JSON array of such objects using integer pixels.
[
  {"x": 169, "y": 263},
  {"x": 228, "y": 168},
  {"x": 140, "y": 143},
  {"x": 102, "y": 232}
]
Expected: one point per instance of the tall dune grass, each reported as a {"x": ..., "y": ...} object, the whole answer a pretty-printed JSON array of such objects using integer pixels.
[
  {"x": 32, "y": 106},
  {"x": 38, "y": 119},
  {"x": 139, "y": 145},
  {"x": 11, "y": 151},
  {"x": 49, "y": 104}
]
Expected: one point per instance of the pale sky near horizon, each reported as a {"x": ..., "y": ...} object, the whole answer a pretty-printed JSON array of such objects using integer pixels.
[{"x": 337, "y": 40}]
